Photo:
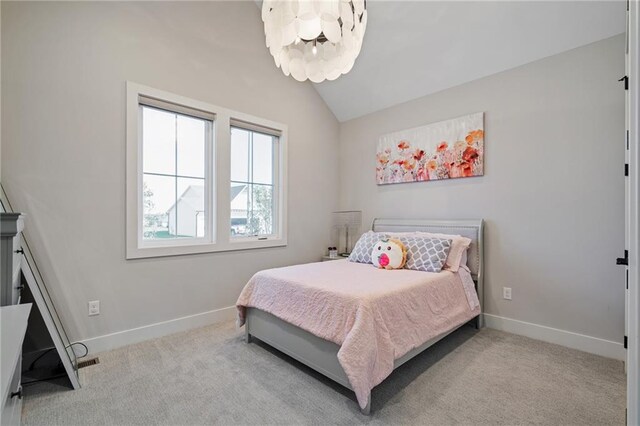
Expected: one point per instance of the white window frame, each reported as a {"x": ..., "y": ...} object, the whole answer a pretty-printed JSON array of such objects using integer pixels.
[
  {"x": 276, "y": 175},
  {"x": 209, "y": 178},
  {"x": 217, "y": 181}
]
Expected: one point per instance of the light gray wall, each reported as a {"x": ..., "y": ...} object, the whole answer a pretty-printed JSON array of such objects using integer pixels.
[
  {"x": 553, "y": 190},
  {"x": 64, "y": 67},
  {"x": 552, "y": 193}
]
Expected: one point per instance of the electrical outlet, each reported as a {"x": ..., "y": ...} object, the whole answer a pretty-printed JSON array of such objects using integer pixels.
[
  {"x": 506, "y": 293},
  {"x": 94, "y": 308}
]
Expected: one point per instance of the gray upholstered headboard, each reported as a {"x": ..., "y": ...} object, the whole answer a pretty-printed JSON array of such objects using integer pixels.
[{"x": 468, "y": 228}]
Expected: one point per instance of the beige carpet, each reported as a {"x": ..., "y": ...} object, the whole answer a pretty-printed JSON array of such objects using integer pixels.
[{"x": 210, "y": 376}]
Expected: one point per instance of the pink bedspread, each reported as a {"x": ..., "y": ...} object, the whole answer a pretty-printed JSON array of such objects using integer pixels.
[{"x": 375, "y": 315}]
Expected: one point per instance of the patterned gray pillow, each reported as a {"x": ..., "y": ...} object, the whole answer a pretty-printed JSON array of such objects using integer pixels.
[
  {"x": 361, "y": 253},
  {"x": 426, "y": 254}
]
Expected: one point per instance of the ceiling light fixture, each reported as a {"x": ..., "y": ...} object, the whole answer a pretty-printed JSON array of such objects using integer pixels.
[{"x": 315, "y": 40}]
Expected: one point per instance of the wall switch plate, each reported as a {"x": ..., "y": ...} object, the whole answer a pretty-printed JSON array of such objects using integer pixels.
[
  {"x": 506, "y": 293},
  {"x": 94, "y": 308}
]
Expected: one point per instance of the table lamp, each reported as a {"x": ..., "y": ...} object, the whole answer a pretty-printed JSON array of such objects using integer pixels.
[{"x": 347, "y": 223}]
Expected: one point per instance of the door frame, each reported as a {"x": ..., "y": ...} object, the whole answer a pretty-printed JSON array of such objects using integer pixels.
[{"x": 633, "y": 319}]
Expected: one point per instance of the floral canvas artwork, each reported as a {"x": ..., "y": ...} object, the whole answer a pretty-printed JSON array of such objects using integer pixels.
[{"x": 444, "y": 150}]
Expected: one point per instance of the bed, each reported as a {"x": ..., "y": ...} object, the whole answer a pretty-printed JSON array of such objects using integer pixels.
[{"x": 354, "y": 323}]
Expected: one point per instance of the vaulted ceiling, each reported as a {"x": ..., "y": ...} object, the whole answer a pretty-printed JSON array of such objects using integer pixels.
[{"x": 412, "y": 49}]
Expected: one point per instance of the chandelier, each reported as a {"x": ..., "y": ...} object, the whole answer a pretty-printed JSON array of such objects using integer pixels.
[{"x": 314, "y": 40}]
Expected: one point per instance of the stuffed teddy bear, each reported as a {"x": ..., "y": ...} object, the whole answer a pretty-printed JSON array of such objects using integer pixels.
[{"x": 389, "y": 254}]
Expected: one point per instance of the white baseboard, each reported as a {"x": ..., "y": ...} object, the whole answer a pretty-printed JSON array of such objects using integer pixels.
[
  {"x": 569, "y": 339},
  {"x": 159, "y": 329}
]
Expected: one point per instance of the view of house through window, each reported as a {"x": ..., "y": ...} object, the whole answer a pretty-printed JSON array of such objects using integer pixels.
[
  {"x": 174, "y": 164},
  {"x": 252, "y": 182},
  {"x": 180, "y": 152}
]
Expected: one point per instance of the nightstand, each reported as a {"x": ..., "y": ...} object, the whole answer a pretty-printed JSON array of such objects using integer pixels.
[{"x": 327, "y": 258}]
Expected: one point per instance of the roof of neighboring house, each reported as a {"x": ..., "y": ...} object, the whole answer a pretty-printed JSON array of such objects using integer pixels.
[
  {"x": 193, "y": 196},
  {"x": 236, "y": 190}
]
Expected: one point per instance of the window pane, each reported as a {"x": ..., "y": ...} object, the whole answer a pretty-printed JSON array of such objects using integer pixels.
[
  {"x": 252, "y": 179},
  {"x": 159, "y": 141},
  {"x": 159, "y": 194},
  {"x": 262, "y": 158},
  {"x": 251, "y": 209},
  {"x": 239, "y": 202},
  {"x": 260, "y": 215},
  {"x": 188, "y": 214},
  {"x": 191, "y": 142},
  {"x": 239, "y": 155}
]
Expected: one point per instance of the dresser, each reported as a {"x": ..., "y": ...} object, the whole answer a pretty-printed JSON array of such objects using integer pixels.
[
  {"x": 18, "y": 267},
  {"x": 13, "y": 326},
  {"x": 11, "y": 225},
  {"x": 13, "y": 318}
]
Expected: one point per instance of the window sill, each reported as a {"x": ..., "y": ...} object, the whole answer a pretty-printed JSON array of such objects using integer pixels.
[{"x": 200, "y": 248}]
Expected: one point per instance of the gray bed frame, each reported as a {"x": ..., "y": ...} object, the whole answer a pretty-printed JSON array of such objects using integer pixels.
[{"x": 320, "y": 354}]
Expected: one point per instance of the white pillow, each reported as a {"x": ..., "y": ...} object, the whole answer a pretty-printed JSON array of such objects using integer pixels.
[{"x": 463, "y": 261}]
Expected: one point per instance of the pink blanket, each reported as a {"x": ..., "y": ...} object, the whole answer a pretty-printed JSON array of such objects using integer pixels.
[{"x": 375, "y": 315}]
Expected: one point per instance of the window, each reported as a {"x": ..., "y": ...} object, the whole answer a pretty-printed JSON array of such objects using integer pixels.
[
  {"x": 253, "y": 173},
  {"x": 178, "y": 178},
  {"x": 174, "y": 159}
]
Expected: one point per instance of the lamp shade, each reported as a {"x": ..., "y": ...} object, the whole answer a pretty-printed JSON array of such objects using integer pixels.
[
  {"x": 351, "y": 219},
  {"x": 347, "y": 222},
  {"x": 314, "y": 39}
]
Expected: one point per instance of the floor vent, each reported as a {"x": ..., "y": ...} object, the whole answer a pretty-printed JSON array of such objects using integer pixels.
[{"x": 88, "y": 362}]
